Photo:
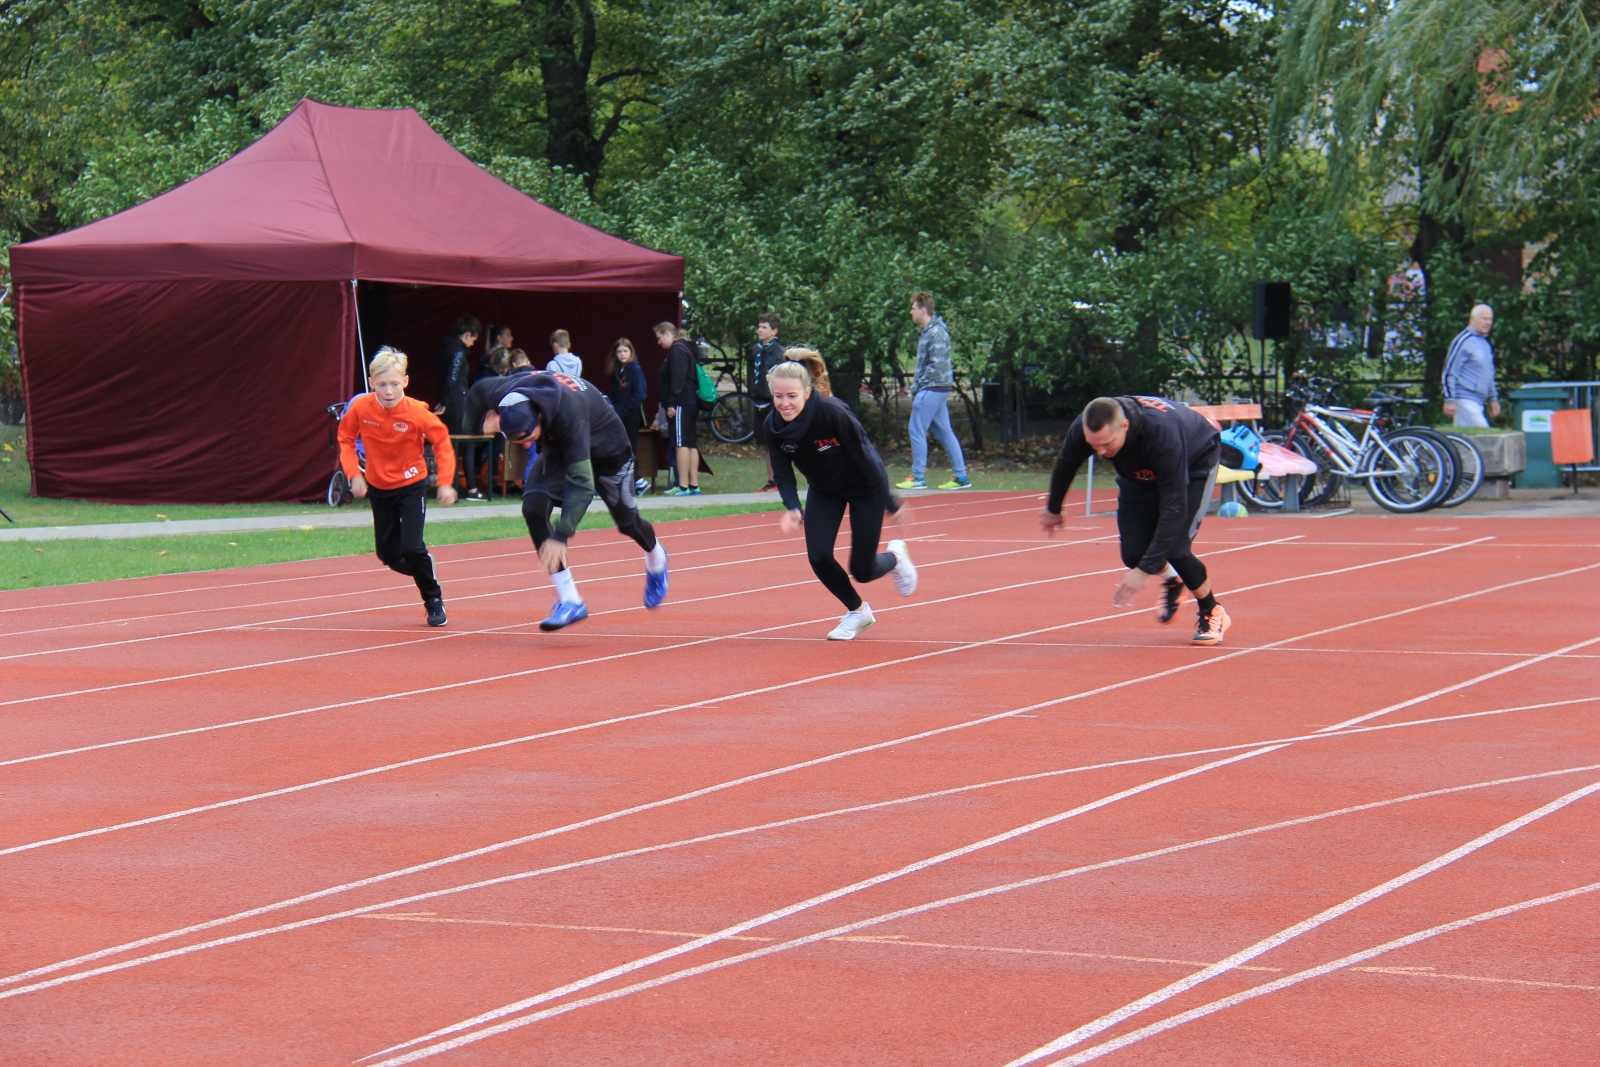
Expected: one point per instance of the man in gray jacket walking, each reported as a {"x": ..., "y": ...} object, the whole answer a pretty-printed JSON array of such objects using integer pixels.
[
  {"x": 1469, "y": 372},
  {"x": 930, "y": 398}
]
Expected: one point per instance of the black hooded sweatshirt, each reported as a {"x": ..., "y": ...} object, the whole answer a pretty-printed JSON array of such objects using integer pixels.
[
  {"x": 581, "y": 435},
  {"x": 829, "y": 447},
  {"x": 1168, "y": 445}
]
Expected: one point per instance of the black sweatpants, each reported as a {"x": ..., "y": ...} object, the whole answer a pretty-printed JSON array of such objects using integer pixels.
[
  {"x": 824, "y": 516},
  {"x": 397, "y": 518},
  {"x": 1139, "y": 512},
  {"x": 547, "y": 484}
]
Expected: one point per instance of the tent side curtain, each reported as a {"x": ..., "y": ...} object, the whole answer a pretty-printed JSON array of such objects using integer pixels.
[{"x": 196, "y": 392}]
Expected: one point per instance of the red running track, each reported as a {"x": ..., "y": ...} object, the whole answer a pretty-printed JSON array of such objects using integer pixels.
[{"x": 267, "y": 816}]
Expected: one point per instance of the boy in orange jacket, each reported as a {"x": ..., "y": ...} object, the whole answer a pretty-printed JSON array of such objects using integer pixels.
[{"x": 392, "y": 427}]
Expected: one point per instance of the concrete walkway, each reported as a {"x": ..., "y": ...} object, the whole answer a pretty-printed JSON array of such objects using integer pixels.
[{"x": 334, "y": 518}]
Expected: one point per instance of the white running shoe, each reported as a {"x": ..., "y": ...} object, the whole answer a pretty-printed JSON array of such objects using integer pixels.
[
  {"x": 852, "y": 623},
  {"x": 905, "y": 573}
]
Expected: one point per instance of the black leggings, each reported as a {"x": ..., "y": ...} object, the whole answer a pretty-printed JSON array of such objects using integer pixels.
[
  {"x": 824, "y": 516},
  {"x": 397, "y": 517},
  {"x": 1139, "y": 513}
]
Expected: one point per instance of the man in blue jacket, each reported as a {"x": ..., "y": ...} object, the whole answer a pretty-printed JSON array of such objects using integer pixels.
[
  {"x": 930, "y": 398},
  {"x": 1469, "y": 372}
]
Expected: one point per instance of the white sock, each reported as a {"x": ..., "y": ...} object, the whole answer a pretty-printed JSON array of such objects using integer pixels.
[
  {"x": 566, "y": 588},
  {"x": 655, "y": 560}
]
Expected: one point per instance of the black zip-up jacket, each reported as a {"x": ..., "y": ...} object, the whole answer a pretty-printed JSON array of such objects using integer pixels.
[
  {"x": 452, "y": 368},
  {"x": 764, "y": 355},
  {"x": 628, "y": 388},
  {"x": 678, "y": 377},
  {"x": 1168, "y": 445},
  {"x": 829, "y": 447}
]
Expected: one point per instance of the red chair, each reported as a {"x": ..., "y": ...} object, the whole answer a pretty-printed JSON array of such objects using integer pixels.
[{"x": 1572, "y": 440}]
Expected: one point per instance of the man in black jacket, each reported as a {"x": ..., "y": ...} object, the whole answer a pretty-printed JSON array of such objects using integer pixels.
[
  {"x": 584, "y": 451},
  {"x": 679, "y": 395},
  {"x": 765, "y": 354},
  {"x": 1165, "y": 456},
  {"x": 455, "y": 370}
]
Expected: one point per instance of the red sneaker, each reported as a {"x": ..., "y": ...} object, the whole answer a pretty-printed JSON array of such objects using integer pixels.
[{"x": 1212, "y": 627}]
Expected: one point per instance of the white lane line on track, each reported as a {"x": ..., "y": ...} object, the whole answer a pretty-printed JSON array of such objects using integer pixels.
[
  {"x": 517, "y": 629},
  {"x": 488, "y": 746},
  {"x": 514, "y": 628},
  {"x": 376, "y": 571},
  {"x": 521, "y": 1006},
  {"x": 1096, "y": 1051},
  {"x": 412, "y": 603},
  {"x": 848, "y": 929},
  {"x": 1088, "y": 1030},
  {"x": 913, "y": 737},
  {"x": 838, "y": 932},
  {"x": 370, "y": 909}
]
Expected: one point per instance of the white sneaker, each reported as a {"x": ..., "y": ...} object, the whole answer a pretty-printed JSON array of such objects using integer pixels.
[
  {"x": 905, "y": 574},
  {"x": 852, "y": 623}
]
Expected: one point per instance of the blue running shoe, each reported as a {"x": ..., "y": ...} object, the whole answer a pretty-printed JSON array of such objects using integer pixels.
[
  {"x": 655, "y": 588},
  {"x": 564, "y": 614}
]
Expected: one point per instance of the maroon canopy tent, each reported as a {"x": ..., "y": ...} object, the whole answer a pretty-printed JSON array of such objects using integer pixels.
[{"x": 184, "y": 350}]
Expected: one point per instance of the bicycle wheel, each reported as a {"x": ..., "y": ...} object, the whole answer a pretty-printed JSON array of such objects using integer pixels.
[
  {"x": 1452, "y": 477},
  {"x": 338, "y": 489},
  {"x": 1320, "y": 487},
  {"x": 733, "y": 418},
  {"x": 1471, "y": 463},
  {"x": 1417, "y": 482}
]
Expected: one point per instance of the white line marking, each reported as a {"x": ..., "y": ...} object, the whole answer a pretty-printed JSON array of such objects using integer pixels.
[
  {"x": 830, "y": 934},
  {"x": 369, "y": 910},
  {"x": 1245, "y": 955},
  {"x": 244, "y": 627},
  {"x": 1096, "y": 1051}
]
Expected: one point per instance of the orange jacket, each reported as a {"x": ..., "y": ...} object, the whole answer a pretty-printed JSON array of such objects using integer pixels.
[{"x": 393, "y": 439}]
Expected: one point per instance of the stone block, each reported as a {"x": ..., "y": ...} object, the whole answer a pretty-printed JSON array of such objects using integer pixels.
[{"x": 1504, "y": 454}]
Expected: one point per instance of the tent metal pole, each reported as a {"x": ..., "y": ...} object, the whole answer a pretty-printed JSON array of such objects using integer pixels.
[{"x": 361, "y": 344}]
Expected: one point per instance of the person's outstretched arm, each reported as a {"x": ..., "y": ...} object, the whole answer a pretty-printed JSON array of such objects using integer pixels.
[{"x": 1074, "y": 451}]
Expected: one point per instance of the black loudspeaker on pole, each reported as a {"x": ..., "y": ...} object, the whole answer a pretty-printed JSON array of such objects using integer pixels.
[{"x": 1273, "y": 303}]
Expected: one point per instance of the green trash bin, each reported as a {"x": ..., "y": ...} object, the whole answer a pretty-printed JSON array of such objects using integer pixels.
[{"x": 1531, "y": 408}]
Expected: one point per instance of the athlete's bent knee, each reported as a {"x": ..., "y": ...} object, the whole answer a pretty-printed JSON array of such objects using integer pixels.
[{"x": 1191, "y": 570}]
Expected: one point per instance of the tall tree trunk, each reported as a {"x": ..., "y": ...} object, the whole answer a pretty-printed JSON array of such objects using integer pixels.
[{"x": 566, "y": 54}]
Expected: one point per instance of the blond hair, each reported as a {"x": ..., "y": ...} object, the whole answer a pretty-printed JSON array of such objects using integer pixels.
[
  {"x": 386, "y": 359},
  {"x": 790, "y": 371},
  {"x": 811, "y": 360}
]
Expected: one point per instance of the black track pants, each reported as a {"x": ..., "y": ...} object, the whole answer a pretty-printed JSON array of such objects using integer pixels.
[
  {"x": 547, "y": 484},
  {"x": 824, "y": 516},
  {"x": 397, "y": 517},
  {"x": 1138, "y": 514}
]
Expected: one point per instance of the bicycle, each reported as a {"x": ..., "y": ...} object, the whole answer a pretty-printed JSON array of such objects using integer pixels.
[
  {"x": 1468, "y": 460},
  {"x": 733, "y": 416},
  {"x": 1405, "y": 470},
  {"x": 338, "y": 485}
]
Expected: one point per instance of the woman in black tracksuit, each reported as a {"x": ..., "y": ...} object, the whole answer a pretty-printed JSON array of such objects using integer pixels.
[{"x": 821, "y": 437}]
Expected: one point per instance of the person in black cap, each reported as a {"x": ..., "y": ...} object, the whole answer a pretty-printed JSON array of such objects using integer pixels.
[
  {"x": 583, "y": 450},
  {"x": 1165, "y": 455},
  {"x": 820, "y": 435}
]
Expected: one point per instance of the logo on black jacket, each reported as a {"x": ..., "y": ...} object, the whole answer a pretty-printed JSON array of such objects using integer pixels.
[{"x": 825, "y": 443}]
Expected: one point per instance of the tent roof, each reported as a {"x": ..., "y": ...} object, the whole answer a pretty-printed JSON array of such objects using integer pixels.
[{"x": 341, "y": 193}]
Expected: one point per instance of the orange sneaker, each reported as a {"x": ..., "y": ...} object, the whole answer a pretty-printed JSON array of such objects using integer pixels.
[{"x": 1212, "y": 627}]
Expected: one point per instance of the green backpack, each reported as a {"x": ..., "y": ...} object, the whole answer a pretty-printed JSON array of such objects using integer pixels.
[{"x": 705, "y": 389}]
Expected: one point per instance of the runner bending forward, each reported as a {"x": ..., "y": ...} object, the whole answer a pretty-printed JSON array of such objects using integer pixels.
[
  {"x": 821, "y": 436},
  {"x": 583, "y": 450},
  {"x": 1165, "y": 455}
]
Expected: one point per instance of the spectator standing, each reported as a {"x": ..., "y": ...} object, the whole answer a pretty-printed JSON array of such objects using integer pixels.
[
  {"x": 500, "y": 341},
  {"x": 765, "y": 354},
  {"x": 454, "y": 369},
  {"x": 1469, "y": 388},
  {"x": 678, "y": 397},
  {"x": 628, "y": 388},
  {"x": 563, "y": 361},
  {"x": 930, "y": 398}
]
